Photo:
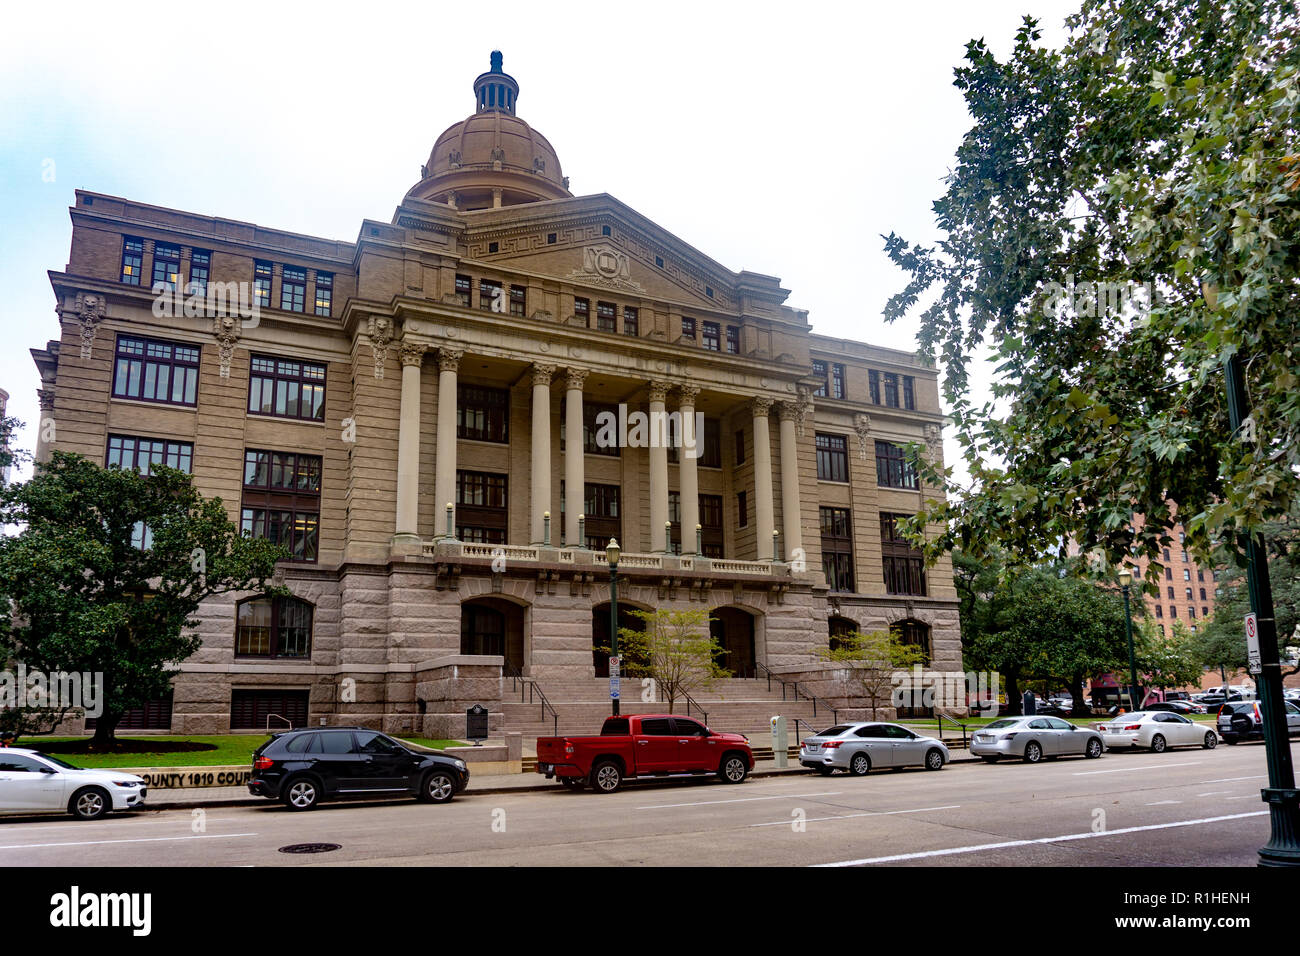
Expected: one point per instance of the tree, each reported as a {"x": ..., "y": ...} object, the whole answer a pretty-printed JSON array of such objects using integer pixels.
[
  {"x": 869, "y": 664},
  {"x": 1164, "y": 662},
  {"x": 675, "y": 649},
  {"x": 1100, "y": 190},
  {"x": 77, "y": 594}
]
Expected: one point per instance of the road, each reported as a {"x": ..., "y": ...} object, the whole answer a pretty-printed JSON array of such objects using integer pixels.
[{"x": 1183, "y": 807}]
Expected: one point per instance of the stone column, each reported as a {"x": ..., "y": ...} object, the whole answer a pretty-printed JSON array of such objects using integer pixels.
[
  {"x": 688, "y": 458},
  {"x": 658, "y": 438},
  {"x": 444, "y": 464},
  {"x": 765, "y": 522},
  {"x": 791, "y": 510},
  {"x": 408, "y": 444},
  {"x": 575, "y": 481},
  {"x": 541, "y": 454}
]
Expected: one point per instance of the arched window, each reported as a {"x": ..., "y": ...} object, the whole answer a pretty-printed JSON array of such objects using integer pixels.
[
  {"x": 913, "y": 632},
  {"x": 482, "y": 630},
  {"x": 840, "y": 627},
  {"x": 273, "y": 627}
]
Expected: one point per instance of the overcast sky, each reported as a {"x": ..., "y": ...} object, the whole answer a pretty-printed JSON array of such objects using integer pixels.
[{"x": 782, "y": 138}]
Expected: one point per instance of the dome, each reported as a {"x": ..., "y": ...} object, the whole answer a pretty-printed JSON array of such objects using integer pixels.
[{"x": 493, "y": 158}]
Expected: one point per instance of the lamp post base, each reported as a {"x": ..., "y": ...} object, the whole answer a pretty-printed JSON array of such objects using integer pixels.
[{"x": 1283, "y": 847}]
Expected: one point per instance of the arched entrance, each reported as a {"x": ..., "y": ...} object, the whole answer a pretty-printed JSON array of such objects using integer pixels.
[
  {"x": 600, "y": 636},
  {"x": 493, "y": 626},
  {"x": 839, "y": 628},
  {"x": 917, "y": 634},
  {"x": 733, "y": 629}
]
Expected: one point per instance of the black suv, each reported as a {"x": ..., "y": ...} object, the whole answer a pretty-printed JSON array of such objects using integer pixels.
[{"x": 303, "y": 767}]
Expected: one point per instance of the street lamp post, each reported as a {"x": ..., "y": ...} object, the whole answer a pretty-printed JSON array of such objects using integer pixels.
[
  {"x": 612, "y": 552},
  {"x": 1126, "y": 579}
]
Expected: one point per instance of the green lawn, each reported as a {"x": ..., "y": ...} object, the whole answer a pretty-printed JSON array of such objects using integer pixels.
[{"x": 217, "y": 750}]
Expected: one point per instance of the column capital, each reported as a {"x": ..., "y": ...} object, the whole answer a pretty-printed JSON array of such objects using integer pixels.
[
  {"x": 542, "y": 374},
  {"x": 449, "y": 359},
  {"x": 576, "y": 377},
  {"x": 45, "y": 397},
  {"x": 687, "y": 394},
  {"x": 659, "y": 391},
  {"x": 413, "y": 353},
  {"x": 789, "y": 411},
  {"x": 760, "y": 406}
]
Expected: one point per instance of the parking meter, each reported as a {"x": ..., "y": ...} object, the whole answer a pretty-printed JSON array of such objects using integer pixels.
[{"x": 780, "y": 742}]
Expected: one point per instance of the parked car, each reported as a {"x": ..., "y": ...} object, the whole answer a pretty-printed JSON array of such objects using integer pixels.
[
  {"x": 303, "y": 767},
  {"x": 35, "y": 781},
  {"x": 1175, "y": 707},
  {"x": 1241, "y": 720},
  {"x": 862, "y": 747},
  {"x": 1156, "y": 730},
  {"x": 1033, "y": 738},
  {"x": 644, "y": 745}
]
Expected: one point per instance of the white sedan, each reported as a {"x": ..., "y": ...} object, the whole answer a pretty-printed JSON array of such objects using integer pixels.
[
  {"x": 32, "y": 781},
  {"x": 1157, "y": 731}
]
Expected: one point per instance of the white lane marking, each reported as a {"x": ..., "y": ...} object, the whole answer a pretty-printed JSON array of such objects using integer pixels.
[
  {"x": 1150, "y": 766},
  {"x": 1249, "y": 796},
  {"x": 1257, "y": 776},
  {"x": 1211, "y": 793},
  {"x": 706, "y": 803},
  {"x": 201, "y": 836},
  {"x": 1056, "y": 839},
  {"x": 850, "y": 816},
  {"x": 1161, "y": 803},
  {"x": 121, "y": 824}
]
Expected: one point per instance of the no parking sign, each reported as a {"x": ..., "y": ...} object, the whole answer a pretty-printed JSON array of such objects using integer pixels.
[{"x": 1252, "y": 644}]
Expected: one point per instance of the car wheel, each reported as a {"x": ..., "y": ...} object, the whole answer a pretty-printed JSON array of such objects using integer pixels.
[
  {"x": 437, "y": 787},
  {"x": 734, "y": 769},
  {"x": 989, "y": 758},
  {"x": 1158, "y": 744},
  {"x": 89, "y": 803},
  {"x": 301, "y": 793},
  {"x": 1093, "y": 749},
  {"x": 859, "y": 765},
  {"x": 1033, "y": 752},
  {"x": 606, "y": 777},
  {"x": 934, "y": 759},
  {"x": 1211, "y": 740}
]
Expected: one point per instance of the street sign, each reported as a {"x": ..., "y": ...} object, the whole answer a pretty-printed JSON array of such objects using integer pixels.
[
  {"x": 1252, "y": 644},
  {"x": 476, "y": 724},
  {"x": 613, "y": 688},
  {"x": 613, "y": 667}
]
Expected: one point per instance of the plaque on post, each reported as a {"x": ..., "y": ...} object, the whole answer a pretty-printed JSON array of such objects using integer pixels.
[{"x": 476, "y": 724}]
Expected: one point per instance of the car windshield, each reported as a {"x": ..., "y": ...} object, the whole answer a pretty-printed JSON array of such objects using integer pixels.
[
  {"x": 833, "y": 731},
  {"x": 56, "y": 761},
  {"x": 1002, "y": 724}
]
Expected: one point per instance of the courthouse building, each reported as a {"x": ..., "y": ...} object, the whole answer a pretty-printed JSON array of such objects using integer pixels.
[{"x": 416, "y": 415}]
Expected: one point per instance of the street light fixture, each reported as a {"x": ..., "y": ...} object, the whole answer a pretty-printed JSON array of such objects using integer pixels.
[
  {"x": 1126, "y": 579},
  {"x": 612, "y": 552}
]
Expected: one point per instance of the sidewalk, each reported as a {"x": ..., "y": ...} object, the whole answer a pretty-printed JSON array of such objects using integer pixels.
[{"x": 194, "y": 797}]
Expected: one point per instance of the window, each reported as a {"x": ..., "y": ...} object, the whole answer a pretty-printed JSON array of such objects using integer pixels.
[
  {"x": 152, "y": 715},
  {"x": 688, "y": 327},
  {"x": 141, "y": 454},
  {"x": 281, "y": 500},
  {"x": 166, "y": 265},
  {"x": 582, "y": 310},
  {"x": 200, "y": 264},
  {"x": 1184, "y": 557},
  {"x": 832, "y": 458},
  {"x": 324, "y": 292},
  {"x": 481, "y": 507},
  {"x": 593, "y": 442},
  {"x": 1169, "y": 574},
  {"x": 287, "y": 388},
  {"x": 711, "y": 339},
  {"x": 1173, "y": 611},
  {"x": 1202, "y": 594},
  {"x": 837, "y": 547},
  {"x": 601, "y": 507},
  {"x": 819, "y": 370},
  {"x": 273, "y": 627},
  {"x": 873, "y": 386},
  {"x": 1189, "y": 593},
  {"x": 1187, "y": 574},
  {"x": 262, "y": 283},
  {"x": 733, "y": 340},
  {"x": 740, "y": 447},
  {"x": 1160, "y": 611},
  {"x": 631, "y": 321},
  {"x": 464, "y": 288},
  {"x": 518, "y": 300},
  {"x": 675, "y": 522},
  {"x": 1205, "y": 612},
  {"x": 605, "y": 317},
  {"x": 490, "y": 295},
  {"x": 293, "y": 289},
  {"x": 742, "y": 509},
  {"x": 252, "y": 709},
  {"x": 1191, "y": 612},
  {"x": 482, "y": 630},
  {"x": 711, "y": 452},
  {"x": 1200, "y": 575},
  {"x": 155, "y": 371},
  {"x": 837, "y": 380},
  {"x": 891, "y": 389},
  {"x": 482, "y": 413},
  {"x": 1166, "y": 555},
  {"x": 132, "y": 260},
  {"x": 893, "y": 468},
  {"x": 1171, "y": 593},
  {"x": 711, "y": 525},
  {"x": 909, "y": 392},
  {"x": 904, "y": 567}
]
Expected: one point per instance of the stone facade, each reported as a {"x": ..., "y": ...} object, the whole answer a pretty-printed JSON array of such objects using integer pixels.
[{"x": 598, "y": 304}]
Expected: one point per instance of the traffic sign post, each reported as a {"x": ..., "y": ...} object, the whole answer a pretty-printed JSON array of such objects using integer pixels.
[
  {"x": 613, "y": 678},
  {"x": 1252, "y": 646}
]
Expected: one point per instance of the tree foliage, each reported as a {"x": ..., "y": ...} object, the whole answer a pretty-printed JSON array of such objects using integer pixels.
[
  {"x": 1156, "y": 151},
  {"x": 675, "y": 649},
  {"x": 868, "y": 664},
  {"x": 76, "y": 594}
]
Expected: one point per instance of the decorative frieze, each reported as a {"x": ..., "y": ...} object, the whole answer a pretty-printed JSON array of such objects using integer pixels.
[
  {"x": 91, "y": 310},
  {"x": 379, "y": 329},
  {"x": 225, "y": 329},
  {"x": 862, "y": 425}
]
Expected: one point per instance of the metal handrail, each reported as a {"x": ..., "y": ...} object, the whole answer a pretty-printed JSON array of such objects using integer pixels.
[
  {"x": 277, "y": 717},
  {"x": 799, "y": 721},
  {"x": 763, "y": 669},
  {"x": 534, "y": 691},
  {"x": 766, "y": 672},
  {"x": 546, "y": 705},
  {"x": 659, "y": 689},
  {"x": 940, "y": 718}
]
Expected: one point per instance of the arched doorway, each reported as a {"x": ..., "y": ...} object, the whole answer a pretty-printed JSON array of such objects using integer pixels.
[
  {"x": 917, "y": 634},
  {"x": 839, "y": 628},
  {"x": 733, "y": 629},
  {"x": 493, "y": 626},
  {"x": 600, "y": 636}
]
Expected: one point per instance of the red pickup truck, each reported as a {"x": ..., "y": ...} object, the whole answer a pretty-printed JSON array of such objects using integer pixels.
[{"x": 643, "y": 745}]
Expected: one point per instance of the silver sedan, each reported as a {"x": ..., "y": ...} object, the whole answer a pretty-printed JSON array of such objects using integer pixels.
[
  {"x": 1033, "y": 738},
  {"x": 858, "y": 748}
]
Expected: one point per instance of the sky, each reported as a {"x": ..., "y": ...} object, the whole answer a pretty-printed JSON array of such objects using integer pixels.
[{"x": 785, "y": 139}]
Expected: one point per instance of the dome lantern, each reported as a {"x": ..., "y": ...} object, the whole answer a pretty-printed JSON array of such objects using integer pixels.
[{"x": 496, "y": 90}]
